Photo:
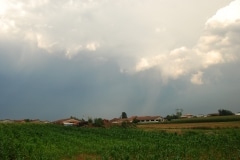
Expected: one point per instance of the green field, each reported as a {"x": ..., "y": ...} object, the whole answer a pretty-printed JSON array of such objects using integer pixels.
[
  {"x": 46, "y": 141},
  {"x": 206, "y": 119}
]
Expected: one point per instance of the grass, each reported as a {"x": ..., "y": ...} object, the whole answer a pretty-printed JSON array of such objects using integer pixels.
[
  {"x": 53, "y": 142},
  {"x": 206, "y": 119},
  {"x": 185, "y": 127}
]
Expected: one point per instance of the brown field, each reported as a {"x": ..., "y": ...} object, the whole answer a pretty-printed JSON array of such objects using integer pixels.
[{"x": 186, "y": 126}]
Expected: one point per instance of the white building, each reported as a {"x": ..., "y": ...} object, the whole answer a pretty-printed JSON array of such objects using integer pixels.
[{"x": 149, "y": 119}]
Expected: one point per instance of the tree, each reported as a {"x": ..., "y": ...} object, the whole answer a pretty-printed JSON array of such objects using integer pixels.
[
  {"x": 98, "y": 122},
  {"x": 124, "y": 115},
  {"x": 179, "y": 112},
  {"x": 27, "y": 120},
  {"x": 90, "y": 120},
  {"x": 170, "y": 117},
  {"x": 224, "y": 112}
]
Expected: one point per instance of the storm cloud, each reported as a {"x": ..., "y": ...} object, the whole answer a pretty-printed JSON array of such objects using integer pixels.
[{"x": 101, "y": 58}]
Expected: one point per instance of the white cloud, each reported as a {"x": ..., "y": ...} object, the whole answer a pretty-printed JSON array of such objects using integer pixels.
[
  {"x": 228, "y": 14},
  {"x": 159, "y": 30},
  {"x": 37, "y": 39},
  {"x": 73, "y": 50},
  {"x": 55, "y": 26},
  {"x": 219, "y": 44},
  {"x": 143, "y": 64},
  {"x": 74, "y": 27},
  {"x": 92, "y": 46},
  {"x": 197, "y": 78}
]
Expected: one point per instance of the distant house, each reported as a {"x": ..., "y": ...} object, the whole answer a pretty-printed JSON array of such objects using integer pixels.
[
  {"x": 105, "y": 121},
  {"x": 149, "y": 119},
  {"x": 20, "y": 121},
  {"x": 68, "y": 122},
  {"x": 237, "y": 114},
  {"x": 118, "y": 120},
  {"x": 200, "y": 115},
  {"x": 187, "y": 116},
  {"x": 46, "y": 121},
  {"x": 140, "y": 119},
  {"x": 36, "y": 121}
]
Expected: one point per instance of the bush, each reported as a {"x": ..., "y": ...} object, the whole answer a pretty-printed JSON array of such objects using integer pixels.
[{"x": 98, "y": 122}]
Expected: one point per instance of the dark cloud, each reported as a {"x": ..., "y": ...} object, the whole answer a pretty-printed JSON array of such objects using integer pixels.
[{"x": 53, "y": 66}]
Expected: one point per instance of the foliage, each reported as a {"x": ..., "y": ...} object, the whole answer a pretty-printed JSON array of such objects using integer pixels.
[
  {"x": 124, "y": 115},
  {"x": 98, "y": 122},
  {"x": 90, "y": 120},
  {"x": 223, "y": 112},
  {"x": 171, "y": 117},
  {"x": 54, "y": 142},
  {"x": 179, "y": 112},
  {"x": 27, "y": 120},
  {"x": 127, "y": 124}
]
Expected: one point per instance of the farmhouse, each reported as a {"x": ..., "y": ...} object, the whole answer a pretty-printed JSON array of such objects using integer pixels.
[
  {"x": 140, "y": 119},
  {"x": 68, "y": 122},
  {"x": 187, "y": 116},
  {"x": 200, "y": 115},
  {"x": 20, "y": 121},
  {"x": 149, "y": 119},
  {"x": 119, "y": 120}
]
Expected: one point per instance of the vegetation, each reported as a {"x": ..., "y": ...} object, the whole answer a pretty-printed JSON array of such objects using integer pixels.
[
  {"x": 171, "y": 117},
  {"x": 223, "y": 112},
  {"x": 98, "y": 122},
  {"x": 206, "y": 119},
  {"x": 90, "y": 121},
  {"x": 46, "y": 141},
  {"x": 124, "y": 115}
]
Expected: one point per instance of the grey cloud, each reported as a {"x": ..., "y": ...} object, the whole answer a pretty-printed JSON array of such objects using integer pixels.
[{"x": 59, "y": 59}]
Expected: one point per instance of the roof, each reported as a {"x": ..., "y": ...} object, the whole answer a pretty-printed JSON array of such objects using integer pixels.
[
  {"x": 67, "y": 120},
  {"x": 130, "y": 119},
  {"x": 186, "y": 116},
  {"x": 148, "y": 117},
  {"x": 118, "y": 120}
]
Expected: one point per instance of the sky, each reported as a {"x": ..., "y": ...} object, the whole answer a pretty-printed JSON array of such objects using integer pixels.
[{"x": 99, "y": 58}]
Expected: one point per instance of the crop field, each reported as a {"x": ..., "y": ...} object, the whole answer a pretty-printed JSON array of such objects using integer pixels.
[
  {"x": 185, "y": 127},
  {"x": 53, "y": 142},
  {"x": 232, "y": 118}
]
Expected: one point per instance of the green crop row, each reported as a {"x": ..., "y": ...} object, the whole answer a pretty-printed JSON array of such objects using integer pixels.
[
  {"x": 206, "y": 119},
  {"x": 53, "y": 142}
]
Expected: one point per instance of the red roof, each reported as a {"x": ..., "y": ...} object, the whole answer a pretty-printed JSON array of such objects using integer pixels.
[{"x": 147, "y": 117}]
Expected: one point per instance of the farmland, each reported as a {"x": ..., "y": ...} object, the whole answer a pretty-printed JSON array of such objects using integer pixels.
[
  {"x": 47, "y": 141},
  {"x": 181, "y": 127}
]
